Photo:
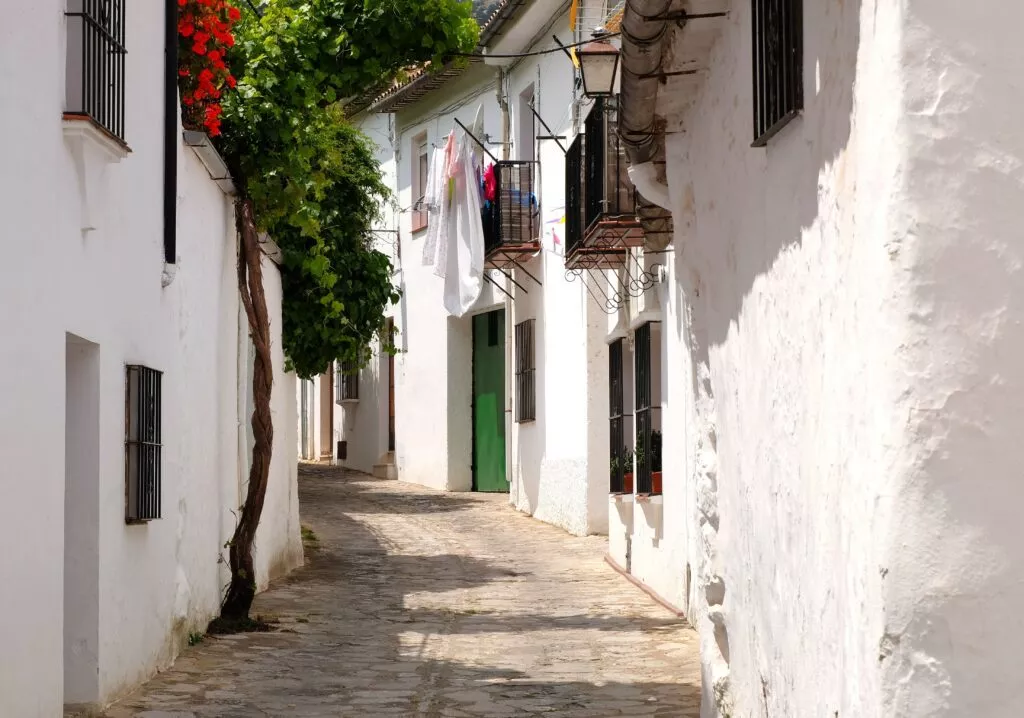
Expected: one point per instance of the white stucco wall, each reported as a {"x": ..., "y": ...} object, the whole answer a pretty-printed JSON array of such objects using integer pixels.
[
  {"x": 841, "y": 339},
  {"x": 151, "y": 583},
  {"x": 780, "y": 337}
]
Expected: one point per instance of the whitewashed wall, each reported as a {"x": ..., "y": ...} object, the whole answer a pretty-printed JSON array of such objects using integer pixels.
[
  {"x": 845, "y": 322},
  {"x": 147, "y": 586}
]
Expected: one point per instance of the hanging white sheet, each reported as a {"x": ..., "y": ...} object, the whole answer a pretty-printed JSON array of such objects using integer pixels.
[{"x": 464, "y": 249}]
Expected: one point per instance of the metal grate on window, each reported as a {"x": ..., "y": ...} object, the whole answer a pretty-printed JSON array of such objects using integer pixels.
[
  {"x": 512, "y": 219},
  {"x": 616, "y": 391},
  {"x": 96, "y": 62},
  {"x": 574, "y": 195},
  {"x": 347, "y": 382},
  {"x": 778, "y": 65},
  {"x": 142, "y": 443},
  {"x": 644, "y": 410},
  {"x": 526, "y": 372}
]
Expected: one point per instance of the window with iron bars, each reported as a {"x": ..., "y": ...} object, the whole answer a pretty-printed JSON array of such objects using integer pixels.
[
  {"x": 95, "y": 63},
  {"x": 526, "y": 372},
  {"x": 346, "y": 383},
  {"x": 574, "y": 195},
  {"x": 512, "y": 217},
  {"x": 644, "y": 410},
  {"x": 617, "y": 435},
  {"x": 143, "y": 423},
  {"x": 778, "y": 54}
]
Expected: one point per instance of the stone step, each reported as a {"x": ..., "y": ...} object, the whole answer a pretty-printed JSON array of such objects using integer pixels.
[{"x": 385, "y": 471}]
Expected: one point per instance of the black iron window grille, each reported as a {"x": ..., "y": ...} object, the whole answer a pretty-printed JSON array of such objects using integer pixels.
[
  {"x": 347, "y": 382},
  {"x": 511, "y": 218},
  {"x": 778, "y": 65},
  {"x": 616, "y": 390},
  {"x": 96, "y": 62},
  {"x": 607, "y": 191},
  {"x": 644, "y": 410},
  {"x": 142, "y": 443},
  {"x": 526, "y": 372},
  {"x": 574, "y": 195}
]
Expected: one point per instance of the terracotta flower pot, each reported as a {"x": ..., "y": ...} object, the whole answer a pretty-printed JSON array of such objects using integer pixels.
[
  {"x": 656, "y": 482},
  {"x": 627, "y": 483}
]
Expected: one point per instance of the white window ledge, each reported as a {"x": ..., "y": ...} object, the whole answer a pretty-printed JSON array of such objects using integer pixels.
[
  {"x": 92, "y": 149},
  {"x": 82, "y": 128},
  {"x": 621, "y": 498},
  {"x": 348, "y": 402},
  {"x": 653, "y": 499}
]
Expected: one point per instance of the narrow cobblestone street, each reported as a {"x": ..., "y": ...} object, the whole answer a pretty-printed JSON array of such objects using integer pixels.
[{"x": 418, "y": 603}]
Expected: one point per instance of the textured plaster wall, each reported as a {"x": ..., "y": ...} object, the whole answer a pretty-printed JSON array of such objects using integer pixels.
[
  {"x": 844, "y": 318},
  {"x": 783, "y": 328},
  {"x": 952, "y": 591},
  {"x": 152, "y": 583}
]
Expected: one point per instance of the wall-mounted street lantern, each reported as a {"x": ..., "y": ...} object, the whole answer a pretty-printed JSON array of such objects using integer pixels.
[{"x": 599, "y": 62}]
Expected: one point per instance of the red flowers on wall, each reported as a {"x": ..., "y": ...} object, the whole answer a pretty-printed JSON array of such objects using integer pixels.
[{"x": 204, "y": 35}]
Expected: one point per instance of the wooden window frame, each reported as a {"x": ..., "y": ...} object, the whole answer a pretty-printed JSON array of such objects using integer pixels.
[{"x": 420, "y": 149}]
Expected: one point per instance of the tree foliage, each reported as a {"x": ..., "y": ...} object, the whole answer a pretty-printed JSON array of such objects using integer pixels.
[
  {"x": 313, "y": 179},
  {"x": 309, "y": 180}
]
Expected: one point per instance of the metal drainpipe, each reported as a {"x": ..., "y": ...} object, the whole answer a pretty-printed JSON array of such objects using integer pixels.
[
  {"x": 170, "y": 131},
  {"x": 643, "y": 38}
]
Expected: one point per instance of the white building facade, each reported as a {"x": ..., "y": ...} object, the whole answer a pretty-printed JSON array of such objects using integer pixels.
[
  {"x": 124, "y": 425},
  {"x": 457, "y": 408},
  {"x": 840, "y": 322}
]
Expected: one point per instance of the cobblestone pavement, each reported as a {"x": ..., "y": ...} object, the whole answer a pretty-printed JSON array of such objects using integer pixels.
[{"x": 418, "y": 603}]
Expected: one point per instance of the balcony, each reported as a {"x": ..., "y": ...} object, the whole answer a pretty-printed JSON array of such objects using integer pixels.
[
  {"x": 511, "y": 219},
  {"x": 601, "y": 204}
]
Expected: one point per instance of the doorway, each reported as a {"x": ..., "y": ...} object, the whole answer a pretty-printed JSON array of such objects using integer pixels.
[
  {"x": 81, "y": 520},
  {"x": 327, "y": 415},
  {"x": 391, "y": 387},
  {"x": 489, "y": 402}
]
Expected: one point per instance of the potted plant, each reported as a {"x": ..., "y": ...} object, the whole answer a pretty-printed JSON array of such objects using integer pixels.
[
  {"x": 627, "y": 468},
  {"x": 656, "y": 462}
]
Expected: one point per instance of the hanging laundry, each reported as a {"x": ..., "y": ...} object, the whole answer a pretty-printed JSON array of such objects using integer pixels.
[
  {"x": 490, "y": 183},
  {"x": 464, "y": 249},
  {"x": 433, "y": 201}
]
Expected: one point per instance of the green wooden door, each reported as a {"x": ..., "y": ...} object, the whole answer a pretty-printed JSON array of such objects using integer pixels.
[{"x": 489, "y": 402}]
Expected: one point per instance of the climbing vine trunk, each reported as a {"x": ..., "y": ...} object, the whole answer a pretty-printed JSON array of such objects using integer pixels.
[{"x": 242, "y": 588}]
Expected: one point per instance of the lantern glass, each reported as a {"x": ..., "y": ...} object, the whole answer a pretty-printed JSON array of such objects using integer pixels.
[{"x": 599, "y": 61}]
